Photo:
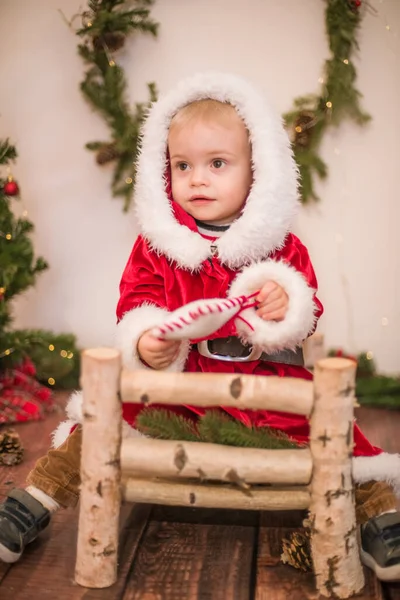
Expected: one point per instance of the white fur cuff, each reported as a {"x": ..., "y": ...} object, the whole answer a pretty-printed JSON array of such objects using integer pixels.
[
  {"x": 133, "y": 325},
  {"x": 300, "y": 319}
]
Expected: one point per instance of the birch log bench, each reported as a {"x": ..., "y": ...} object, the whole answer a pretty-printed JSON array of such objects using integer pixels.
[{"x": 195, "y": 474}]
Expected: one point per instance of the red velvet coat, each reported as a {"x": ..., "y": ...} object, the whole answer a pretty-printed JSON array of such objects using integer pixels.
[{"x": 150, "y": 278}]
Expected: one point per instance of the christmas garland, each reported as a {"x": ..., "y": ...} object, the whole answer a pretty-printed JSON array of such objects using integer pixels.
[
  {"x": 314, "y": 114},
  {"x": 104, "y": 29}
]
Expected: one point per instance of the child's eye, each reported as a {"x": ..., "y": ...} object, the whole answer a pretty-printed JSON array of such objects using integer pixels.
[
  {"x": 218, "y": 163},
  {"x": 182, "y": 166}
]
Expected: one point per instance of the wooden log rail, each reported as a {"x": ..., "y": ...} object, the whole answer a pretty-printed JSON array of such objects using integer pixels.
[
  {"x": 196, "y": 474},
  {"x": 144, "y": 457},
  {"x": 218, "y": 389},
  {"x": 176, "y": 493}
]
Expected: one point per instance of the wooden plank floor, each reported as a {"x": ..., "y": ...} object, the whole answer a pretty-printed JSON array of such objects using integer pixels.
[{"x": 175, "y": 553}]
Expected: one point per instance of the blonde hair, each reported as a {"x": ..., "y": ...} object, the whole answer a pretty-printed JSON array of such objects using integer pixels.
[{"x": 206, "y": 109}]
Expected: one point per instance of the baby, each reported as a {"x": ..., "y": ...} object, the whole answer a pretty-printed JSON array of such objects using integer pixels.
[{"x": 215, "y": 199}]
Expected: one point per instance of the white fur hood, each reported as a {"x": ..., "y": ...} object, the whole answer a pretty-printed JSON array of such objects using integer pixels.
[{"x": 271, "y": 204}]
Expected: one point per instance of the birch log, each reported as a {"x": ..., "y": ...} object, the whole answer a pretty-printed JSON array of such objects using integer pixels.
[
  {"x": 176, "y": 493},
  {"x": 96, "y": 562},
  {"x": 217, "y": 389},
  {"x": 213, "y": 462},
  {"x": 314, "y": 349},
  {"x": 333, "y": 541}
]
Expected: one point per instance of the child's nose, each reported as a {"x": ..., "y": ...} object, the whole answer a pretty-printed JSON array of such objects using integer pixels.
[{"x": 199, "y": 176}]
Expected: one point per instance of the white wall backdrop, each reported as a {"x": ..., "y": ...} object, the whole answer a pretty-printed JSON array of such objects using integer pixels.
[{"x": 352, "y": 234}]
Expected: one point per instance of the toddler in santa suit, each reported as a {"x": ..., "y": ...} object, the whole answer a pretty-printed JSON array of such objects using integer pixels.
[{"x": 215, "y": 199}]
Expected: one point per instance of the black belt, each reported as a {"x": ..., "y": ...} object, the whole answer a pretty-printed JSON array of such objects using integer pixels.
[{"x": 233, "y": 350}]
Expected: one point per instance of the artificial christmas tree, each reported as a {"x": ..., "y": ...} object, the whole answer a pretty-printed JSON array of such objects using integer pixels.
[{"x": 25, "y": 355}]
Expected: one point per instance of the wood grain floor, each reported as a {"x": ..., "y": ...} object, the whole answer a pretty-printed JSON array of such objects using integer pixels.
[{"x": 175, "y": 553}]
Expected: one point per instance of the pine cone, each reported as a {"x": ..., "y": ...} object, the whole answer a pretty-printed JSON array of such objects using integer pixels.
[
  {"x": 106, "y": 154},
  {"x": 296, "y": 551},
  {"x": 113, "y": 41},
  {"x": 11, "y": 450}
]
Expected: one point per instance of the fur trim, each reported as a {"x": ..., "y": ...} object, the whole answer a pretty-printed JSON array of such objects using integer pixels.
[
  {"x": 271, "y": 204},
  {"x": 299, "y": 321},
  {"x": 61, "y": 433},
  {"x": 74, "y": 407},
  {"x": 74, "y": 412},
  {"x": 133, "y": 325},
  {"x": 383, "y": 467}
]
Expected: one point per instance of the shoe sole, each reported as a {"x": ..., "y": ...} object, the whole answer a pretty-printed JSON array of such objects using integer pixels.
[
  {"x": 7, "y": 556},
  {"x": 383, "y": 573}
]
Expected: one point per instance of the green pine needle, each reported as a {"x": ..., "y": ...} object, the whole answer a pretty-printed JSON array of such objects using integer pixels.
[
  {"x": 342, "y": 24},
  {"x": 209, "y": 426},
  {"x": 8, "y": 152},
  {"x": 19, "y": 268},
  {"x": 214, "y": 427},
  {"x": 105, "y": 85},
  {"x": 165, "y": 425}
]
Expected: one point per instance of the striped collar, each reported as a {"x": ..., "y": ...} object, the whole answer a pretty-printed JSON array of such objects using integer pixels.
[{"x": 215, "y": 231}]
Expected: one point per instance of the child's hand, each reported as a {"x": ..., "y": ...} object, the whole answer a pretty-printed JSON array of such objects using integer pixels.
[
  {"x": 273, "y": 302},
  {"x": 158, "y": 354}
]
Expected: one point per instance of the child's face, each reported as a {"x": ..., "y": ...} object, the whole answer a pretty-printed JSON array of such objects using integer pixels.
[{"x": 210, "y": 168}]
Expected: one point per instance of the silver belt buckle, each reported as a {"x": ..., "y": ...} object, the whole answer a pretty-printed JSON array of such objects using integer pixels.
[{"x": 202, "y": 347}]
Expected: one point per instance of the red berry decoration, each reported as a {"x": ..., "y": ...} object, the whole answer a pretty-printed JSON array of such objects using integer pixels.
[{"x": 11, "y": 187}]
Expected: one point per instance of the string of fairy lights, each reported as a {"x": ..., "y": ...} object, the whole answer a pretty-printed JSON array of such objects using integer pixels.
[
  {"x": 51, "y": 348},
  {"x": 67, "y": 354}
]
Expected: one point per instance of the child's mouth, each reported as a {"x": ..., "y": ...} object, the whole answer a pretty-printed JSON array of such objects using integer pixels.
[{"x": 200, "y": 200}]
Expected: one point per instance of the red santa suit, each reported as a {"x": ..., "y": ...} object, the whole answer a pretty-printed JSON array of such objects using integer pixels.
[{"x": 172, "y": 264}]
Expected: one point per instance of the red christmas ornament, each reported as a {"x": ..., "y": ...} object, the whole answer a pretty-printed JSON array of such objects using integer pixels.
[{"x": 11, "y": 187}]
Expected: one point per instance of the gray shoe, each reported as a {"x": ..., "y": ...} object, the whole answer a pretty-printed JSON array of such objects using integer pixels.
[
  {"x": 22, "y": 518},
  {"x": 380, "y": 546}
]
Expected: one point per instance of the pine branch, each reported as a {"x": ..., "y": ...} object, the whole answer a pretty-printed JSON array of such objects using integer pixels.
[
  {"x": 105, "y": 26},
  {"x": 209, "y": 426},
  {"x": 339, "y": 98},
  {"x": 7, "y": 152},
  {"x": 213, "y": 428},
  {"x": 166, "y": 425},
  {"x": 234, "y": 433}
]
